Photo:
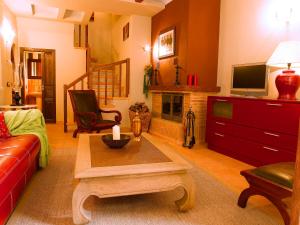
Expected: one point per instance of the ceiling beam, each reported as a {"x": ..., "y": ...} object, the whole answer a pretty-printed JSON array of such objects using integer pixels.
[
  {"x": 33, "y": 9},
  {"x": 119, "y": 7},
  {"x": 61, "y": 14},
  {"x": 86, "y": 17}
]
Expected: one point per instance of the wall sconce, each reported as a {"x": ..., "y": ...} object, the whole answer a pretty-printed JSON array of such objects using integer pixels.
[
  {"x": 8, "y": 35},
  {"x": 286, "y": 11},
  {"x": 285, "y": 15},
  {"x": 147, "y": 48},
  {"x": 7, "y": 32}
]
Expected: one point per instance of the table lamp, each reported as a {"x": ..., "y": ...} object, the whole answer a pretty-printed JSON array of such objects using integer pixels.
[{"x": 286, "y": 54}]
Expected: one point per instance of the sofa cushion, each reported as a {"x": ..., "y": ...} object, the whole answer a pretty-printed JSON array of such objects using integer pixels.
[
  {"x": 4, "y": 132},
  {"x": 6, "y": 208},
  {"x": 20, "y": 146},
  {"x": 280, "y": 173},
  {"x": 18, "y": 162},
  {"x": 16, "y": 156}
]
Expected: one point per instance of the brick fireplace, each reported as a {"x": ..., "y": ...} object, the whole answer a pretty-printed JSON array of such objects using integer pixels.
[{"x": 173, "y": 129}]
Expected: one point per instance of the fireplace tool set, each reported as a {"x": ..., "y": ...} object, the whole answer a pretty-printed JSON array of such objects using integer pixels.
[{"x": 189, "y": 129}]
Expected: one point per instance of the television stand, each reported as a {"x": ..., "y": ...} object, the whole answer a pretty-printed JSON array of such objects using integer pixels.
[{"x": 255, "y": 131}]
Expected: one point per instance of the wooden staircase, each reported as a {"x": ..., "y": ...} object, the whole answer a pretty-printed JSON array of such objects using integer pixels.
[{"x": 108, "y": 80}]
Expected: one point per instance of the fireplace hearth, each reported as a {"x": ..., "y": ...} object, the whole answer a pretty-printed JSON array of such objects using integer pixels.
[{"x": 172, "y": 107}]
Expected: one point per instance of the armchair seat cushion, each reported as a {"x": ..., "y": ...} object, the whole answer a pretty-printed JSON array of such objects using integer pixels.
[{"x": 280, "y": 173}]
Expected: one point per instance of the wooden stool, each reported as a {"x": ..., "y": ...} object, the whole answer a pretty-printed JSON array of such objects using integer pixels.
[{"x": 275, "y": 182}]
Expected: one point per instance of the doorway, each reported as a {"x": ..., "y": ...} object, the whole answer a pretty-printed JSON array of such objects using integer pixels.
[{"x": 39, "y": 80}]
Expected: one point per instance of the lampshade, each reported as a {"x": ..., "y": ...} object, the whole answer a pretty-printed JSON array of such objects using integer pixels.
[{"x": 286, "y": 52}]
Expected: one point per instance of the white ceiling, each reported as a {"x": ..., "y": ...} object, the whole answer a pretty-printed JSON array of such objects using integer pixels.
[{"x": 80, "y": 11}]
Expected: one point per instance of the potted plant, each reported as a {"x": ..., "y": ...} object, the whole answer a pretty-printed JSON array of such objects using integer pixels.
[
  {"x": 148, "y": 72},
  {"x": 144, "y": 114}
]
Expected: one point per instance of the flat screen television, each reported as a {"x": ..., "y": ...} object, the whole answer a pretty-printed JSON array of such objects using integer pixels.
[{"x": 249, "y": 79}]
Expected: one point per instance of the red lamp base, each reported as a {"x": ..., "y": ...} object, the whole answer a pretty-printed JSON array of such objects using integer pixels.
[{"x": 287, "y": 84}]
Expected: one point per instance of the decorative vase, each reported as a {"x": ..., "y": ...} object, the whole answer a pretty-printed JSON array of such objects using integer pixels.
[
  {"x": 145, "y": 119},
  {"x": 137, "y": 127},
  {"x": 144, "y": 115},
  {"x": 17, "y": 98},
  {"x": 287, "y": 84}
]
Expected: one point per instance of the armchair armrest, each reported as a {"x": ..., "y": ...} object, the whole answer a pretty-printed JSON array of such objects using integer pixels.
[
  {"x": 87, "y": 119},
  {"x": 118, "y": 117}
]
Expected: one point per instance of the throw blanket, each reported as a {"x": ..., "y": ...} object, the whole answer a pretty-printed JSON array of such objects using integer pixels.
[{"x": 29, "y": 122}]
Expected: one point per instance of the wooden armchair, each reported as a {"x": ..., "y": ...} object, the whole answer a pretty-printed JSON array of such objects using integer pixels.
[{"x": 88, "y": 115}]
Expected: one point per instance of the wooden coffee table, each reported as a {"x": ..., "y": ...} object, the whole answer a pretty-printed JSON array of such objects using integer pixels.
[{"x": 141, "y": 167}]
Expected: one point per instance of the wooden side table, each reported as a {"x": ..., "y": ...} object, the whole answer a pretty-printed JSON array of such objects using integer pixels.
[{"x": 17, "y": 107}]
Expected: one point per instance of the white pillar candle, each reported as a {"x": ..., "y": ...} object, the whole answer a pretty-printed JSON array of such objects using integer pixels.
[{"x": 116, "y": 132}]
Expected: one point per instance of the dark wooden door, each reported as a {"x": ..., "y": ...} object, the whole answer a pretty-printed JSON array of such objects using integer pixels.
[{"x": 48, "y": 86}]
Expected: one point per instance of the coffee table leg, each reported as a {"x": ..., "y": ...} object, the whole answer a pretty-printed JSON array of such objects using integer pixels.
[
  {"x": 188, "y": 200},
  {"x": 80, "y": 194},
  {"x": 143, "y": 185}
]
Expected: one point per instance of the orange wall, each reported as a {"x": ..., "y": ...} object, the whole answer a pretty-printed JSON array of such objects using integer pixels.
[
  {"x": 175, "y": 14},
  {"x": 197, "y": 36},
  {"x": 203, "y": 41}
]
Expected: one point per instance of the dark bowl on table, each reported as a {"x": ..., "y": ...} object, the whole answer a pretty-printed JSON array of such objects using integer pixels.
[{"x": 108, "y": 140}]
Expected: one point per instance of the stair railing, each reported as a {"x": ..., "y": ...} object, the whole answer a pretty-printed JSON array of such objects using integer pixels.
[{"x": 98, "y": 79}]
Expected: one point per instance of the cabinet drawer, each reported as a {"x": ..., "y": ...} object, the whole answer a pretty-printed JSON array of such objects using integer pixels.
[
  {"x": 220, "y": 108},
  {"x": 223, "y": 143},
  {"x": 220, "y": 126},
  {"x": 272, "y": 115},
  {"x": 276, "y": 139},
  {"x": 271, "y": 138},
  {"x": 281, "y": 117},
  {"x": 268, "y": 155},
  {"x": 248, "y": 151},
  {"x": 231, "y": 146}
]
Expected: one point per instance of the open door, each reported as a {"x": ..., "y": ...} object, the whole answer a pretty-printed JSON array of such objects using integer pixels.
[
  {"x": 40, "y": 81},
  {"x": 48, "y": 87}
]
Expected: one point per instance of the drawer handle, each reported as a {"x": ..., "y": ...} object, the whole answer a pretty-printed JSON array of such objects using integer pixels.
[
  {"x": 271, "y": 149},
  {"x": 274, "y": 104},
  {"x": 220, "y": 135},
  {"x": 220, "y": 123},
  {"x": 221, "y": 100},
  {"x": 271, "y": 134}
]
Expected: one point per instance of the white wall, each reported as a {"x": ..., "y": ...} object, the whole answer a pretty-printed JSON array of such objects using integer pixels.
[
  {"x": 250, "y": 32},
  {"x": 6, "y": 69},
  {"x": 70, "y": 62},
  {"x": 139, "y": 35},
  {"x": 100, "y": 37}
]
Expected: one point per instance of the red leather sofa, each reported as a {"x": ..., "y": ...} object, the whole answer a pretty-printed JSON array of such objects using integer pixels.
[{"x": 18, "y": 161}]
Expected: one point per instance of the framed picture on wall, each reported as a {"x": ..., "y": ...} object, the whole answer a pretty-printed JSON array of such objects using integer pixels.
[
  {"x": 166, "y": 43},
  {"x": 126, "y": 32}
]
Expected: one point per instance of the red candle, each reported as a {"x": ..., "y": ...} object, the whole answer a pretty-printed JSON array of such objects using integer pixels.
[
  {"x": 190, "y": 80},
  {"x": 195, "y": 80}
]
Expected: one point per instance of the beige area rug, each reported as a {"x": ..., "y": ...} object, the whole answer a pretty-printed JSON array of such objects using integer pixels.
[{"x": 47, "y": 200}]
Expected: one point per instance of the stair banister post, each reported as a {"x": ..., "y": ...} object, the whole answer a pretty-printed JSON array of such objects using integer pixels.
[{"x": 65, "y": 108}]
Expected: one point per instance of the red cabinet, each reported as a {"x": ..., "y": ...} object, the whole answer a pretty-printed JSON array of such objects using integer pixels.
[{"x": 255, "y": 131}]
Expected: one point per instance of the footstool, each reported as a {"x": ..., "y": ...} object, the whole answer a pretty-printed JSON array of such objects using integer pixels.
[{"x": 274, "y": 181}]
